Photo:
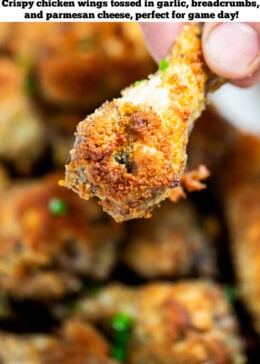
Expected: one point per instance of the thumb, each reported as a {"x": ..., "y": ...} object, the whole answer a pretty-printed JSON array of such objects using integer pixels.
[
  {"x": 159, "y": 37},
  {"x": 232, "y": 50}
]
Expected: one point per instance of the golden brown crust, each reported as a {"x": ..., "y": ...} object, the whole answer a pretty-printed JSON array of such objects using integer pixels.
[
  {"x": 128, "y": 174},
  {"x": 131, "y": 152},
  {"x": 193, "y": 180},
  {"x": 75, "y": 343},
  {"x": 186, "y": 322},
  {"x": 185, "y": 317},
  {"x": 170, "y": 244}
]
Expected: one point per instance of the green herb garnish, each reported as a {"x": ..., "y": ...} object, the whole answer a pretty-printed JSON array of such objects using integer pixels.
[
  {"x": 231, "y": 293},
  {"x": 29, "y": 84},
  {"x": 118, "y": 353},
  {"x": 163, "y": 65},
  {"x": 122, "y": 326},
  {"x": 58, "y": 207},
  {"x": 138, "y": 82},
  {"x": 121, "y": 322}
]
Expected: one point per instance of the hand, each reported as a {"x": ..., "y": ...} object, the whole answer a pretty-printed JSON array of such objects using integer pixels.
[{"x": 231, "y": 50}]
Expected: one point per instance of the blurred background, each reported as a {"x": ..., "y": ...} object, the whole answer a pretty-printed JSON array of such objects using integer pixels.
[
  {"x": 76, "y": 287},
  {"x": 240, "y": 106}
]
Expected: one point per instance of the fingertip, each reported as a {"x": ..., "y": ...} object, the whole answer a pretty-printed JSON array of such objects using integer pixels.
[
  {"x": 248, "y": 81},
  {"x": 160, "y": 37},
  {"x": 231, "y": 50}
]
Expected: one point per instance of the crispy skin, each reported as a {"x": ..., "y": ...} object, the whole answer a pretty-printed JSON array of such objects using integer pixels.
[
  {"x": 170, "y": 244},
  {"x": 187, "y": 322},
  {"x": 44, "y": 256},
  {"x": 76, "y": 343},
  {"x": 242, "y": 208},
  {"x": 191, "y": 180},
  {"x": 131, "y": 152}
]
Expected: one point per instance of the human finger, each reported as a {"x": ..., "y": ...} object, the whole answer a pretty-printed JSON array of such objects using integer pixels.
[
  {"x": 160, "y": 37},
  {"x": 232, "y": 50}
]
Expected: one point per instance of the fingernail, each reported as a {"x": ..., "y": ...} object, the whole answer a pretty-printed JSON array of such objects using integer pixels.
[{"x": 233, "y": 45}]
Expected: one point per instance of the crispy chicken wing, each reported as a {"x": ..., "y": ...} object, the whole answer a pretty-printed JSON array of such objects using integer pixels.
[
  {"x": 76, "y": 343},
  {"x": 186, "y": 322},
  {"x": 170, "y": 244},
  {"x": 131, "y": 152}
]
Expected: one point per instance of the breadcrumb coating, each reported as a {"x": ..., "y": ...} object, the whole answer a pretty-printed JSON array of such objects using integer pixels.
[
  {"x": 186, "y": 322},
  {"x": 75, "y": 343},
  {"x": 170, "y": 244},
  {"x": 131, "y": 152}
]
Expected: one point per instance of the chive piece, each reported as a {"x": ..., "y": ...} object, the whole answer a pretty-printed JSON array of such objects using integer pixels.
[
  {"x": 85, "y": 44},
  {"x": 231, "y": 293},
  {"x": 163, "y": 65},
  {"x": 122, "y": 338},
  {"x": 58, "y": 207},
  {"x": 118, "y": 353},
  {"x": 138, "y": 82},
  {"x": 122, "y": 325},
  {"x": 29, "y": 84},
  {"x": 121, "y": 322}
]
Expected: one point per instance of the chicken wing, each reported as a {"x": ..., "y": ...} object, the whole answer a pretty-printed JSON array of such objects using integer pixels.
[
  {"x": 75, "y": 343},
  {"x": 172, "y": 243},
  {"x": 186, "y": 322},
  {"x": 131, "y": 152}
]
